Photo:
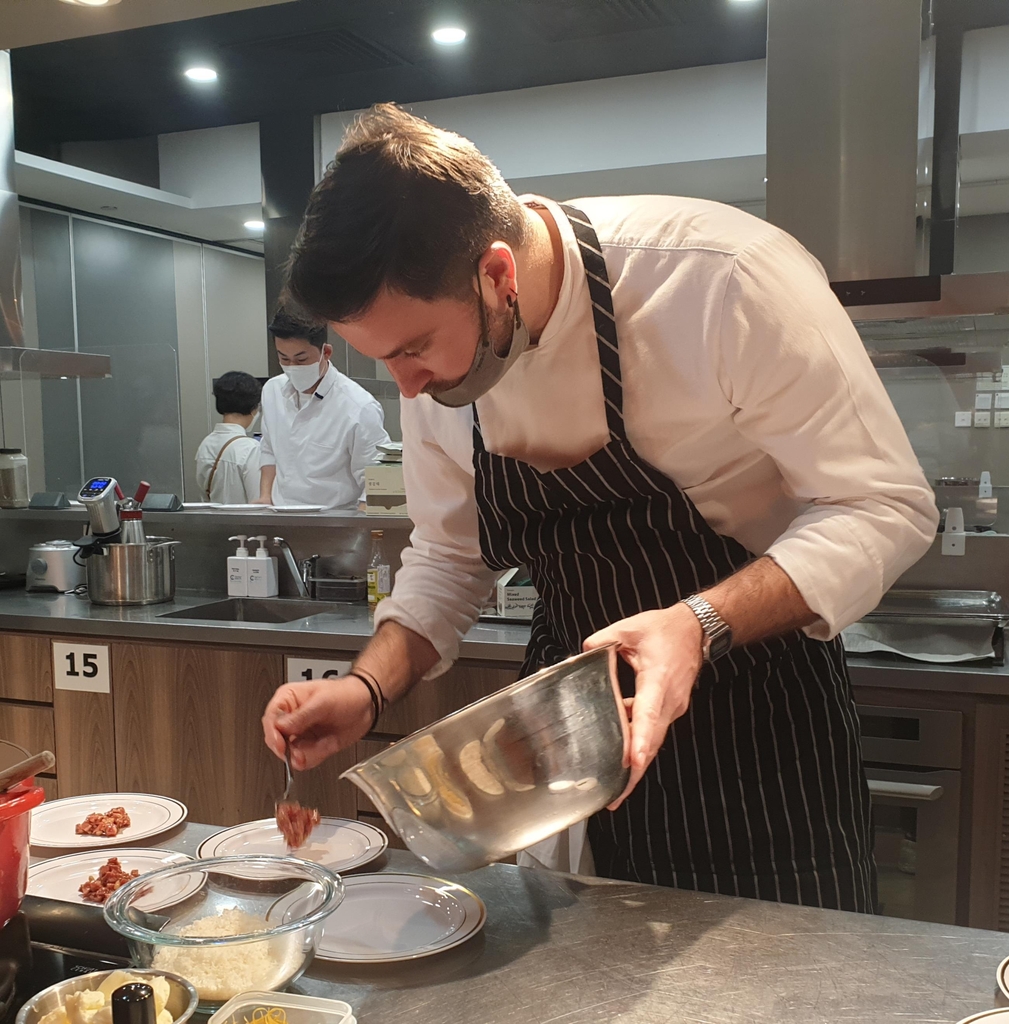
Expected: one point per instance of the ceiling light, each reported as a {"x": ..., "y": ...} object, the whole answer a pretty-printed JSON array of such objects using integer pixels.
[
  {"x": 201, "y": 74},
  {"x": 254, "y": 225},
  {"x": 91, "y": 3},
  {"x": 450, "y": 35}
]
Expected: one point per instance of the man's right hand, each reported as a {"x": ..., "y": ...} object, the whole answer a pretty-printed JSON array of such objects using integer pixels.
[{"x": 323, "y": 716}]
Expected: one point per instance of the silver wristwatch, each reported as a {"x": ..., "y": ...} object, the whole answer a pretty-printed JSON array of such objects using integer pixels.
[{"x": 717, "y": 632}]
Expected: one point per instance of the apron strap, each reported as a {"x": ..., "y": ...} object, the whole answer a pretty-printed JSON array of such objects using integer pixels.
[{"x": 605, "y": 322}]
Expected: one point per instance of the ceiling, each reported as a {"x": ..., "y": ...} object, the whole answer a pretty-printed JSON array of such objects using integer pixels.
[
  {"x": 27, "y": 22},
  {"x": 326, "y": 55}
]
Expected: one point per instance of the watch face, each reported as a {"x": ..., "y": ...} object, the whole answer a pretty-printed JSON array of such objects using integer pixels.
[{"x": 720, "y": 645}]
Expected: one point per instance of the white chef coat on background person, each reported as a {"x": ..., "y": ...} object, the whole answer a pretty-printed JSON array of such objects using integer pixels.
[
  {"x": 744, "y": 381},
  {"x": 236, "y": 481},
  {"x": 320, "y": 443}
]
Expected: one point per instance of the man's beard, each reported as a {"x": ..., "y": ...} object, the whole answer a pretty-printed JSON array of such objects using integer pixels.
[{"x": 499, "y": 330}]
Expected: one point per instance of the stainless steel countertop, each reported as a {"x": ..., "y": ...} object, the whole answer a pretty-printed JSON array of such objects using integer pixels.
[
  {"x": 350, "y": 629},
  {"x": 564, "y": 950},
  {"x": 346, "y": 630}
]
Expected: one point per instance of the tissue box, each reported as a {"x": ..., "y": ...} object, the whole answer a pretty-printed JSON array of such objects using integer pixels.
[
  {"x": 384, "y": 492},
  {"x": 516, "y": 596}
]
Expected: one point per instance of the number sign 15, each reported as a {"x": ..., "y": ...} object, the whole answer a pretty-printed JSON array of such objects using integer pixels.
[{"x": 81, "y": 667}]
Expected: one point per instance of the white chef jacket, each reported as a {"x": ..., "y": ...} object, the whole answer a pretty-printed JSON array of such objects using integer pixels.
[
  {"x": 237, "y": 478},
  {"x": 744, "y": 381},
  {"x": 320, "y": 443}
]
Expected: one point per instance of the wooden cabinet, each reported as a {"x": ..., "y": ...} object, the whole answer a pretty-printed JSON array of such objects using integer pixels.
[
  {"x": 433, "y": 699},
  {"x": 26, "y": 670},
  {"x": 989, "y": 885},
  {"x": 28, "y": 726},
  {"x": 85, "y": 742},
  {"x": 187, "y": 724}
]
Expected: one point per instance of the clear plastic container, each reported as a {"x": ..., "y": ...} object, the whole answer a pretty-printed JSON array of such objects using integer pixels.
[{"x": 298, "y": 1009}]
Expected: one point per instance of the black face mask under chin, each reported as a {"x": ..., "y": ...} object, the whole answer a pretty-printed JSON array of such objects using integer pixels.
[{"x": 488, "y": 367}]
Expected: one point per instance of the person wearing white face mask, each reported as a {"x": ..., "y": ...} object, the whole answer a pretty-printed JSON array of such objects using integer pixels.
[
  {"x": 227, "y": 461},
  {"x": 320, "y": 429}
]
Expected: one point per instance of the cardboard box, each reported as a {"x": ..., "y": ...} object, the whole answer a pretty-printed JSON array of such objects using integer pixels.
[
  {"x": 384, "y": 492},
  {"x": 516, "y": 596}
]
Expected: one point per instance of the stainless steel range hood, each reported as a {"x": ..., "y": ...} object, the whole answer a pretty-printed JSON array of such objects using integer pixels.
[
  {"x": 16, "y": 359},
  {"x": 842, "y": 131}
]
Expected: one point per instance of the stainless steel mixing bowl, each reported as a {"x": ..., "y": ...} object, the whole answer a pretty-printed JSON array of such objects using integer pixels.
[{"x": 509, "y": 770}]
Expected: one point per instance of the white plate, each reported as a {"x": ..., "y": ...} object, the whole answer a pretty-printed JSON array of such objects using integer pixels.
[
  {"x": 385, "y": 918},
  {"x": 62, "y": 877},
  {"x": 53, "y": 823},
  {"x": 296, "y": 508},
  {"x": 336, "y": 843}
]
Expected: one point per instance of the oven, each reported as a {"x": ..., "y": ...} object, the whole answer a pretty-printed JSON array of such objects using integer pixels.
[{"x": 912, "y": 759}]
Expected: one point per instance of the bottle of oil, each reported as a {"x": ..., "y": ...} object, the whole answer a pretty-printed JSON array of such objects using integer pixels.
[{"x": 379, "y": 573}]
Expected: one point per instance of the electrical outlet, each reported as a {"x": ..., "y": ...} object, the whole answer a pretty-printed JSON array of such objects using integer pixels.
[
  {"x": 962, "y": 419},
  {"x": 982, "y": 419},
  {"x": 1002, "y": 419}
]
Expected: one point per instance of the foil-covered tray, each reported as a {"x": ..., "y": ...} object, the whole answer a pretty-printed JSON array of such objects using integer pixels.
[{"x": 942, "y": 607}]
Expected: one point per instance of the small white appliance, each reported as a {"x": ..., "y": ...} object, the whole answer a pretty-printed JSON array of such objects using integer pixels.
[{"x": 51, "y": 567}]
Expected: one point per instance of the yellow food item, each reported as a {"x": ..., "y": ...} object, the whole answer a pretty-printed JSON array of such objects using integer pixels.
[
  {"x": 82, "y": 1006},
  {"x": 432, "y": 758},
  {"x": 94, "y": 1006},
  {"x": 267, "y": 1015},
  {"x": 472, "y": 763}
]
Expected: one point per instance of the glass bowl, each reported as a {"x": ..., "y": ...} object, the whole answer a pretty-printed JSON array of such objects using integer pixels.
[{"x": 228, "y": 924}]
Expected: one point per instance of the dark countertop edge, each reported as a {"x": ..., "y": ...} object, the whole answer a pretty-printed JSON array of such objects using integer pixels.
[
  {"x": 77, "y": 513},
  {"x": 873, "y": 671},
  {"x": 248, "y": 636}
]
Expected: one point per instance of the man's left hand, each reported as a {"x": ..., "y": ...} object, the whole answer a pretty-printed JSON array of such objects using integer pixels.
[{"x": 664, "y": 649}]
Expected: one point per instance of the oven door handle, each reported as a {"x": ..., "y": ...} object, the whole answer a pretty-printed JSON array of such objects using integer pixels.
[{"x": 904, "y": 790}]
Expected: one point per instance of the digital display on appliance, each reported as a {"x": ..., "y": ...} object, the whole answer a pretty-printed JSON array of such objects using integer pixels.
[{"x": 95, "y": 487}]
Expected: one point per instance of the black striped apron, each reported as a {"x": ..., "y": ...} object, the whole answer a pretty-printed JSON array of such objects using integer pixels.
[{"x": 758, "y": 789}]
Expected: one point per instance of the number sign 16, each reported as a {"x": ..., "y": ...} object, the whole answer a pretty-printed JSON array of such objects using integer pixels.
[{"x": 300, "y": 669}]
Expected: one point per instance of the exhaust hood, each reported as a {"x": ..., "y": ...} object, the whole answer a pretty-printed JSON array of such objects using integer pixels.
[{"x": 16, "y": 359}]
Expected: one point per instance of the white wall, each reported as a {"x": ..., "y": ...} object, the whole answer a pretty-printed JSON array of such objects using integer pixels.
[
  {"x": 666, "y": 117},
  {"x": 696, "y": 130},
  {"x": 212, "y": 166}
]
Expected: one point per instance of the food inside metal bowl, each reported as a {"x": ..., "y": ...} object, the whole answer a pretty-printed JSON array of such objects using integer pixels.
[{"x": 509, "y": 770}]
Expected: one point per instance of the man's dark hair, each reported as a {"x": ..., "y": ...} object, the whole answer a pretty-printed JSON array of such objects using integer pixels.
[
  {"x": 404, "y": 205},
  {"x": 286, "y": 324},
  {"x": 236, "y": 391}
]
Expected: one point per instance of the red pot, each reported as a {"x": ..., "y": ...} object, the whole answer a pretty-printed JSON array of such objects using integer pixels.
[{"x": 15, "y": 818}]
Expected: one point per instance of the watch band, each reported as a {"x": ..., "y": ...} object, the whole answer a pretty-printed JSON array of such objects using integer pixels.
[{"x": 717, "y": 632}]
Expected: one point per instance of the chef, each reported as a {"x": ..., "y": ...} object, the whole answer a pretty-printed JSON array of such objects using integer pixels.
[
  {"x": 227, "y": 461},
  {"x": 658, "y": 406},
  {"x": 320, "y": 428}
]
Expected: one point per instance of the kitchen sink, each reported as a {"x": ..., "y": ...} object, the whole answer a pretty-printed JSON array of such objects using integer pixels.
[{"x": 252, "y": 609}]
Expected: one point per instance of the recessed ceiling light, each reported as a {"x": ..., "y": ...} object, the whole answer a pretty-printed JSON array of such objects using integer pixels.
[
  {"x": 254, "y": 225},
  {"x": 201, "y": 74},
  {"x": 449, "y": 35},
  {"x": 91, "y": 3}
]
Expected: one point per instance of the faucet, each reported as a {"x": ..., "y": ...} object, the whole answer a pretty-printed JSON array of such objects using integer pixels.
[{"x": 300, "y": 578}]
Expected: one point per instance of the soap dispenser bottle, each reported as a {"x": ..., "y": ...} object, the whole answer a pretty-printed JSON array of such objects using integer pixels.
[
  {"x": 262, "y": 572},
  {"x": 238, "y": 569}
]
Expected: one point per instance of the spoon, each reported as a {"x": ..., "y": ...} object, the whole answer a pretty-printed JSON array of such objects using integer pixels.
[
  {"x": 26, "y": 769},
  {"x": 288, "y": 774}
]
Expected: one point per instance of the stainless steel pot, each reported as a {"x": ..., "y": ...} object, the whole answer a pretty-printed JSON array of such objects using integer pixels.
[
  {"x": 121, "y": 574},
  {"x": 507, "y": 771}
]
